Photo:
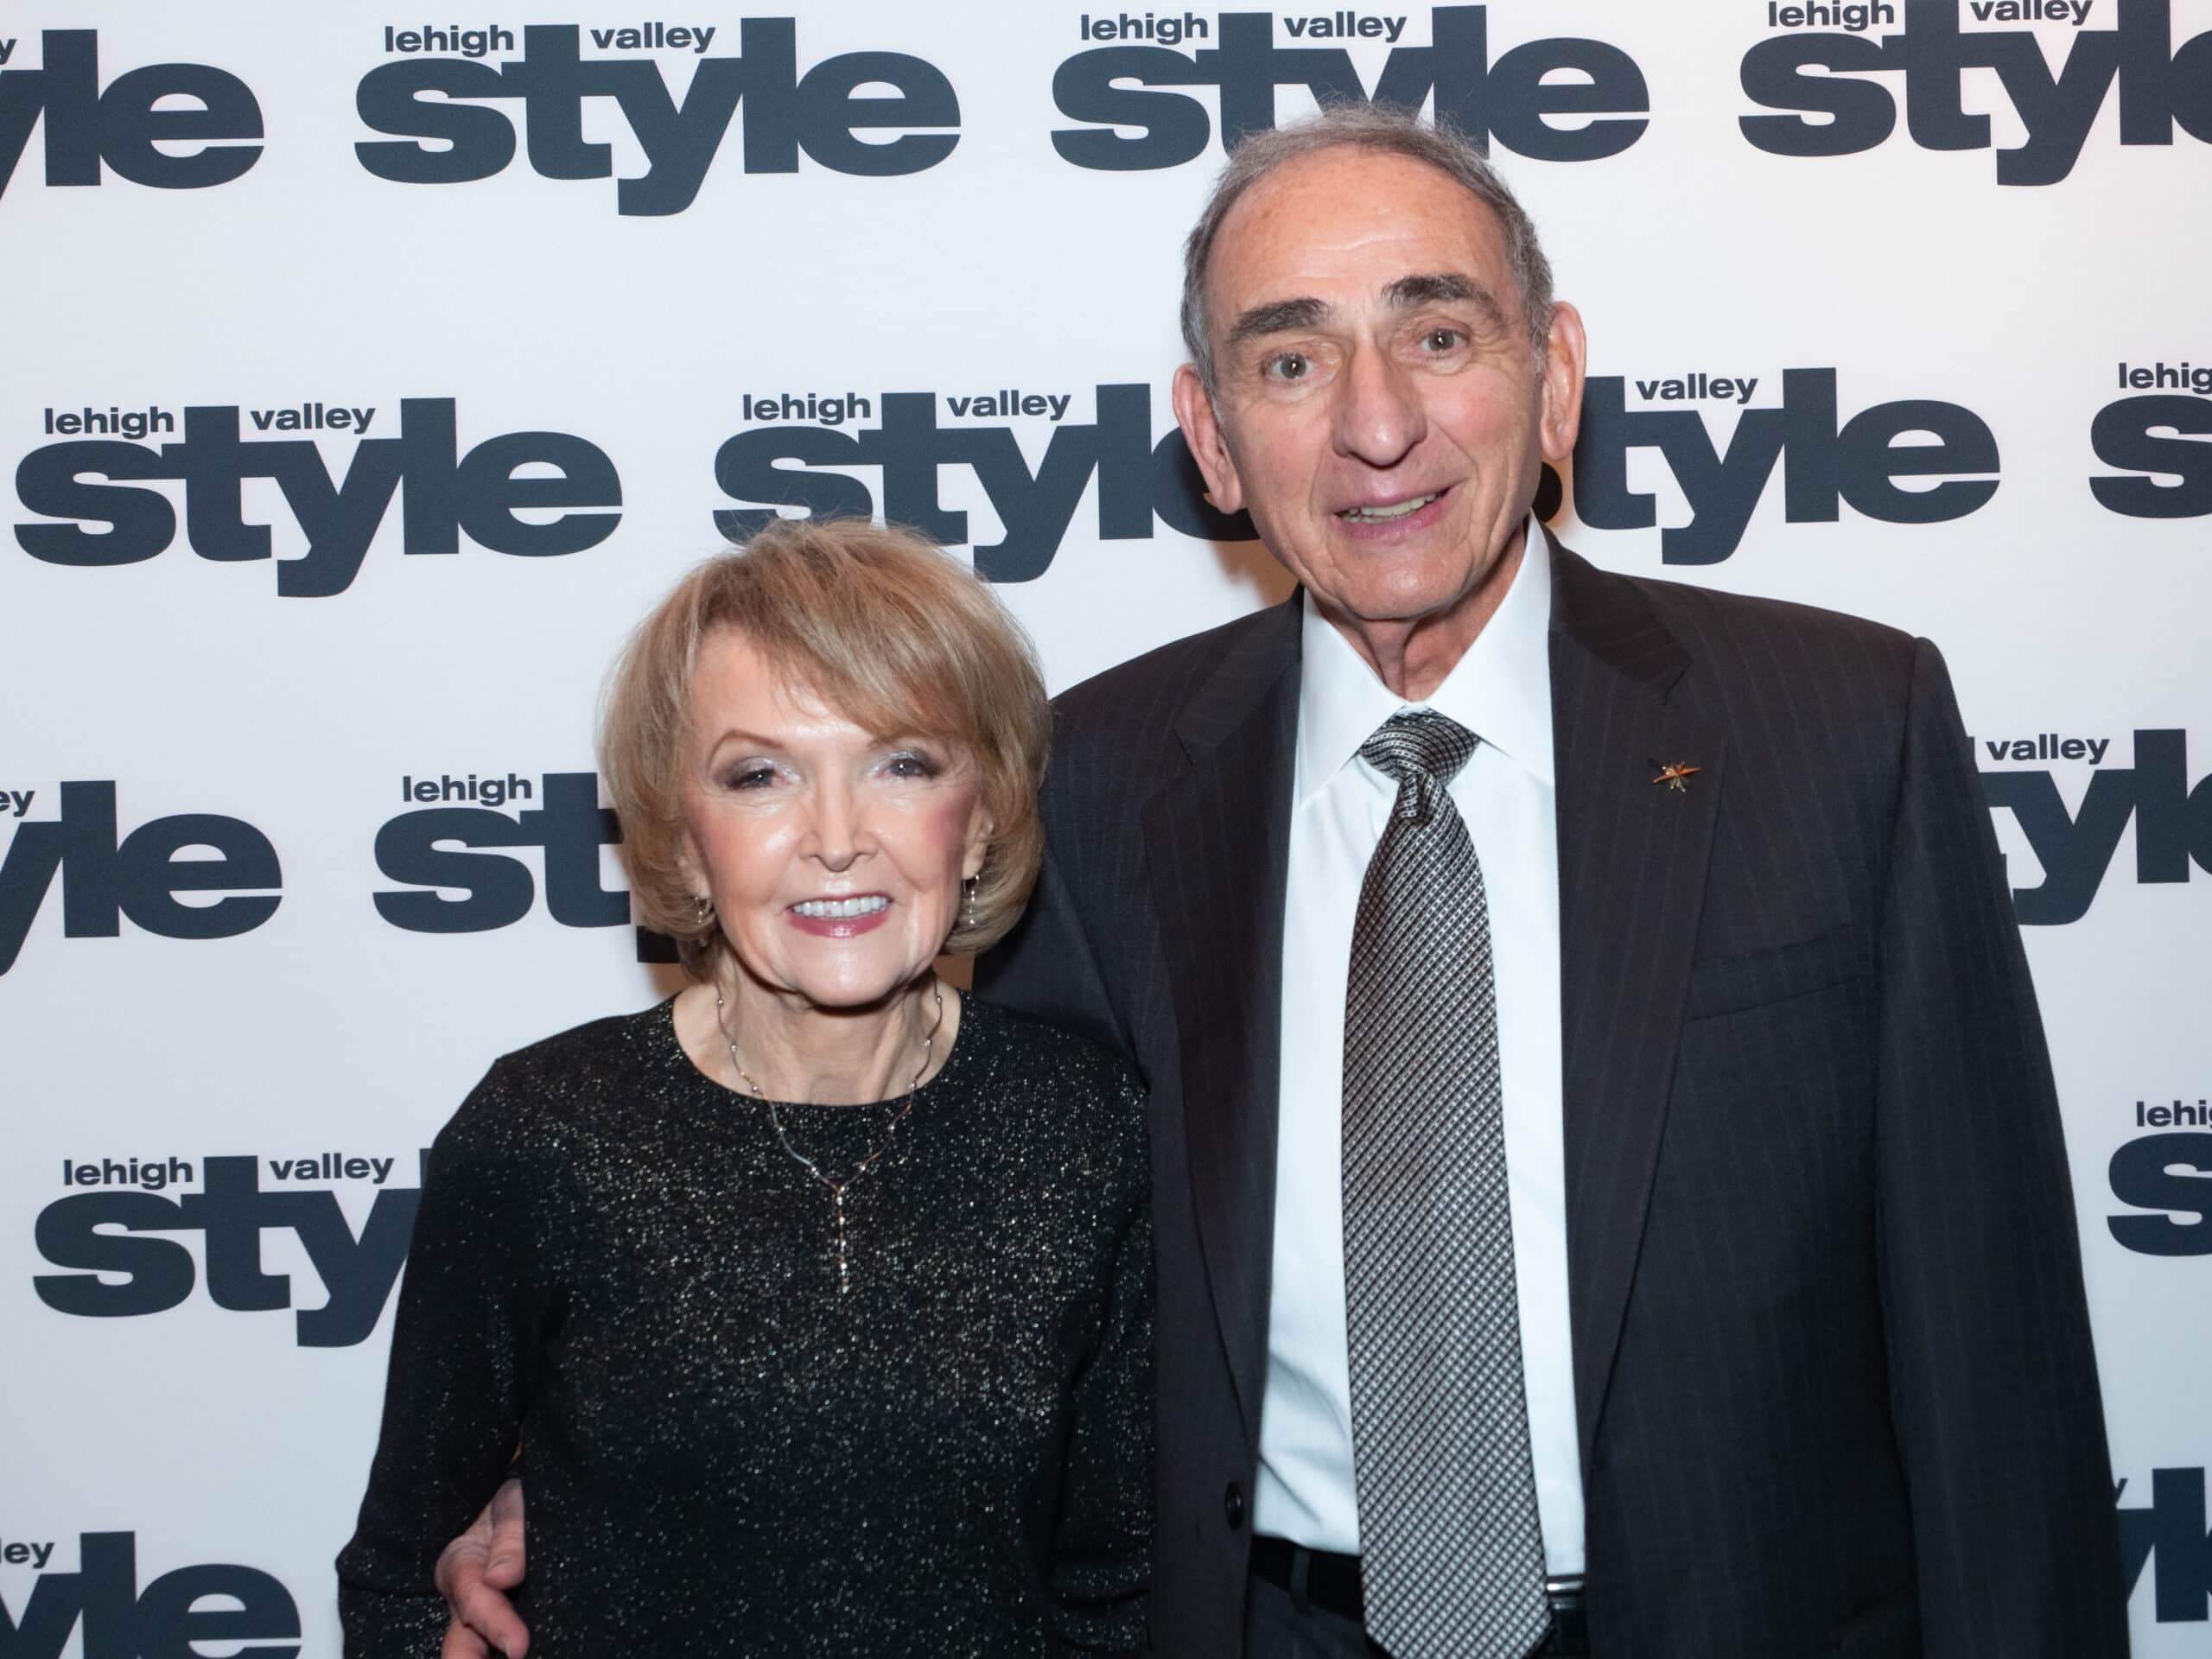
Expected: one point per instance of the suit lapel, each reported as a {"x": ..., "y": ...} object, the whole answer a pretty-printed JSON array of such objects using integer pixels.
[
  {"x": 1218, "y": 841},
  {"x": 1632, "y": 862}
]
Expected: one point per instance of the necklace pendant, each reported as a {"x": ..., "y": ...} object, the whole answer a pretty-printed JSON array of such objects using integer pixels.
[
  {"x": 844, "y": 1268},
  {"x": 813, "y": 1169}
]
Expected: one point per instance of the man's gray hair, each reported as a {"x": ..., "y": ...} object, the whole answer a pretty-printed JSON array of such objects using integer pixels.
[{"x": 1373, "y": 127}]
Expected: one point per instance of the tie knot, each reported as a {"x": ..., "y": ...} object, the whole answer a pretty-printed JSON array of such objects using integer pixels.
[
  {"x": 1424, "y": 751},
  {"x": 1420, "y": 741}
]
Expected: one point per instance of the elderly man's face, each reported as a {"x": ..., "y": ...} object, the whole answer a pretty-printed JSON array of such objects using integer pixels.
[{"x": 1380, "y": 411}]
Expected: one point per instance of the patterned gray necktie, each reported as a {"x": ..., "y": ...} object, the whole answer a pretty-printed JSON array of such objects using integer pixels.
[{"x": 1452, "y": 1552}]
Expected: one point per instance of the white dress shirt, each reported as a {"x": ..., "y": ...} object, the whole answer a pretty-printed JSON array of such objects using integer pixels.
[{"x": 1501, "y": 691}]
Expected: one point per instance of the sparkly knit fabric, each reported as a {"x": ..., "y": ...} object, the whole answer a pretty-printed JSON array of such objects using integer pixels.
[{"x": 617, "y": 1265}]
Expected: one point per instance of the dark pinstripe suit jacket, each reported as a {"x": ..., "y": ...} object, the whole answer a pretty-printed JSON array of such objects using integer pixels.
[{"x": 1832, "y": 1361}]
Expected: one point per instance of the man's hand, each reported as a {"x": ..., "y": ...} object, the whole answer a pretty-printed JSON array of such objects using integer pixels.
[{"x": 475, "y": 1571}]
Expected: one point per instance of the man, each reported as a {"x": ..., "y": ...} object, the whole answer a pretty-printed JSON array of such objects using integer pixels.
[{"x": 1609, "y": 1193}]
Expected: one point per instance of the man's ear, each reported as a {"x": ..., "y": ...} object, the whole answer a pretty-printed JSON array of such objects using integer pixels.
[
  {"x": 1566, "y": 355},
  {"x": 1202, "y": 431}
]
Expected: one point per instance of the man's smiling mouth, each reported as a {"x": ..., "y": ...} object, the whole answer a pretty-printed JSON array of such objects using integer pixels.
[{"x": 1395, "y": 510}]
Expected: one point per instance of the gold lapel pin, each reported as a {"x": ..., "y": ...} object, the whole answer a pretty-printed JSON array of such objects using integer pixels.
[{"x": 1677, "y": 776}]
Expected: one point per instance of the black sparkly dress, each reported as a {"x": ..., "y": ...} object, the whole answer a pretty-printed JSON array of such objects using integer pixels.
[{"x": 618, "y": 1266}]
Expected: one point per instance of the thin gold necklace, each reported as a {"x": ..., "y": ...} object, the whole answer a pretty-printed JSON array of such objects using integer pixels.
[{"x": 890, "y": 1132}]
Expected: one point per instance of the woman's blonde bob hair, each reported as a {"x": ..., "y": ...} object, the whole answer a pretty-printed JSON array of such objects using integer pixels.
[{"x": 885, "y": 630}]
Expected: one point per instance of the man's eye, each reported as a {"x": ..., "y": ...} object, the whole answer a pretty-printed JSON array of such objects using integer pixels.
[
  {"x": 1288, "y": 366},
  {"x": 1443, "y": 339}
]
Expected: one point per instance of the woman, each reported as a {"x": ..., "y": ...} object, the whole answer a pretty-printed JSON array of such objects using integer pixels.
[{"x": 817, "y": 1296}]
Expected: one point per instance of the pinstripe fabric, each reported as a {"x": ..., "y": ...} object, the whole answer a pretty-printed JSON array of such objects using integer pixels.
[{"x": 1831, "y": 1351}]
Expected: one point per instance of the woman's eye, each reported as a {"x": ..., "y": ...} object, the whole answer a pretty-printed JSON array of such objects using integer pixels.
[
  {"x": 1288, "y": 366},
  {"x": 757, "y": 777},
  {"x": 910, "y": 765}
]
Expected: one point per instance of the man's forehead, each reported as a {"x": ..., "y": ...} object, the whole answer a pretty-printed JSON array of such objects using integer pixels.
[{"x": 1335, "y": 201}]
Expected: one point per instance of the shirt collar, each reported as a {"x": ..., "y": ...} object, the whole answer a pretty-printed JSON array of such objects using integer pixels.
[{"x": 1500, "y": 690}]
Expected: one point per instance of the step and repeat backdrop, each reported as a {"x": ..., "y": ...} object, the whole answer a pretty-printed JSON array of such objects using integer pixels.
[{"x": 364, "y": 374}]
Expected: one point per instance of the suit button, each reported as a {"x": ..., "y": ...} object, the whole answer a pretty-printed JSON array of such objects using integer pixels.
[{"x": 1232, "y": 1506}]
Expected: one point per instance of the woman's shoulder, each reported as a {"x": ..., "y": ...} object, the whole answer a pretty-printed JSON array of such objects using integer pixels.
[
  {"x": 1038, "y": 1049},
  {"x": 539, "y": 1097},
  {"x": 1067, "y": 1081},
  {"x": 620, "y": 1042}
]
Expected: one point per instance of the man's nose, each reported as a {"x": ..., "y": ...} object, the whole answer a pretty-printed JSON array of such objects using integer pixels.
[{"x": 1379, "y": 413}]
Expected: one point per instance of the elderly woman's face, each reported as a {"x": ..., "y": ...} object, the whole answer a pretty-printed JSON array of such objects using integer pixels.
[{"x": 834, "y": 857}]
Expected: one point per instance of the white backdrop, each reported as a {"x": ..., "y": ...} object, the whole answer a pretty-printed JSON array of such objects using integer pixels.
[{"x": 200, "y": 264}]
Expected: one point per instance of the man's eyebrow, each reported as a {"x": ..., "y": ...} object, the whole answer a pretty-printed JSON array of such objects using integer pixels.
[
  {"x": 1444, "y": 287},
  {"x": 1276, "y": 317}
]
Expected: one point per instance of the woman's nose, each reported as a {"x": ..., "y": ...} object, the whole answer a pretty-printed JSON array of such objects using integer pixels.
[{"x": 838, "y": 834}]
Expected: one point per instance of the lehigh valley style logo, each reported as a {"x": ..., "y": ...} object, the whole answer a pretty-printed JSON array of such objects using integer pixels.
[
  {"x": 2173, "y": 818},
  {"x": 107, "y": 875},
  {"x": 1826, "y": 80},
  {"x": 921, "y": 435},
  {"x": 1827, "y": 461},
  {"x": 1139, "y": 104},
  {"x": 109, "y": 1235},
  {"x": 455, "y": 120},
  {"x": 168, "y": 126},
  {"x": 101, "y": 1600},
  {"x": 94, "y": 513}
]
